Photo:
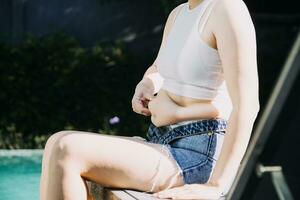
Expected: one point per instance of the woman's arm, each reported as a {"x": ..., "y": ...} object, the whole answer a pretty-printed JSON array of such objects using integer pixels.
[
  {"x": 152, "y": 80},
  {"x": 152, "y": 72},
  {"x": 236, "y": 41}
]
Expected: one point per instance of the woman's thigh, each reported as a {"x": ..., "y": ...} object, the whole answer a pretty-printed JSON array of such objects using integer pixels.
[{"x": 123, "y": 162}]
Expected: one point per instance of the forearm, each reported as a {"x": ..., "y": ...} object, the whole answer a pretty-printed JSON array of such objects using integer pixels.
[
  {"x": 153, "y": 75},
  {"x": 235, "y": 143},
  {"x": 150, "y": 70}
]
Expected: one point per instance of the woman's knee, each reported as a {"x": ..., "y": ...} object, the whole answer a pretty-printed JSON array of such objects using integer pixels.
[
  {"x": 60, "y": 153},
  {"x": 67, "y": 144},
  {"x": 54, "y": 137},
  {"x": 54, "y": 140}
]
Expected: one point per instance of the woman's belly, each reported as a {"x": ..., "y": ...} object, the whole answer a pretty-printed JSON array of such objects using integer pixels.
[{"x": 168, "y": 108}]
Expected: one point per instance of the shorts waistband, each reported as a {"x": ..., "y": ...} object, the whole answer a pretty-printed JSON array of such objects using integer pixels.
[
  {"x": 182, "y": 123},
  {"x": 215, "y": 124},
  {"x": 201, "y": 126}
]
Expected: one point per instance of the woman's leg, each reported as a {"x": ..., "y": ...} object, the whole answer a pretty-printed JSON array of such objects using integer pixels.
[
  {"x": 46, "y": 159},
  {"x": 124, "y": 162}
]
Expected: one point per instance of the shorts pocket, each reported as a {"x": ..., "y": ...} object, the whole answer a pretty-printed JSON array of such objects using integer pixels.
[
  {"x": 199, "y": 173},
  {"x": 193, "y": 155}
]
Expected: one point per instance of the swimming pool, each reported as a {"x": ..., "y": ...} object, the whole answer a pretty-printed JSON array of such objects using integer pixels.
[{"x": 20, "y": 172}]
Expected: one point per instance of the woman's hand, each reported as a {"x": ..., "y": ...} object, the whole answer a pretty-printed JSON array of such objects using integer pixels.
[
  {"x": 190, "y": 191},
  {"x": 143, "y": 94}
]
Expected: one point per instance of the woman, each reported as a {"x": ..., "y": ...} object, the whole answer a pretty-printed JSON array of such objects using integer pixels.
[{"x": 206, "y": 85}]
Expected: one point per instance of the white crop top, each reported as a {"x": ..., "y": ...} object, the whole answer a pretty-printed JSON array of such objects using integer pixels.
[{"x": 188, "y": 65}]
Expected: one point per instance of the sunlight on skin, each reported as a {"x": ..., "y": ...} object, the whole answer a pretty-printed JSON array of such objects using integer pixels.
[{"x": 237, "y": 47}]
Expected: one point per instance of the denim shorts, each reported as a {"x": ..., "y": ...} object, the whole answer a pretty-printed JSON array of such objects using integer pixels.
[{"x": 194, "y": 144}]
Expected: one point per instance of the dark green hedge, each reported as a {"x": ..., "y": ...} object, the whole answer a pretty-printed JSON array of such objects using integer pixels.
[{"x": 51, "y": 84}]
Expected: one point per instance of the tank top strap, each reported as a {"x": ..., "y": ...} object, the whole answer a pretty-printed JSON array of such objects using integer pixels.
[{"x": 203, "y": 17}]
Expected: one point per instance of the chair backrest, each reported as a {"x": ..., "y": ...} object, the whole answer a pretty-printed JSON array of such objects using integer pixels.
[{"x": 267, "y": 118}]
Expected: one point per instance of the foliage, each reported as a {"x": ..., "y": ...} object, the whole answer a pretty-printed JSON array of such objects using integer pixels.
[
  {"x": 166, "y": 5},
  {"x": 52, "y": 83}
]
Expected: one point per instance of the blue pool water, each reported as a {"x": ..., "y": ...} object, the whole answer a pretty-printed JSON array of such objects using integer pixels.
[{"x": 20, "y": 172}]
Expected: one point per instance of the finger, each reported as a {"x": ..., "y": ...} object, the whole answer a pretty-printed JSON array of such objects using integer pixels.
[
  {"x": 148, "y": 96},
  {"x": 140, "y": 104},
  {"x": 165, "y": 193},
  {"x": 140, "y": 109},
  {"x": 137, "y": 104},
  {"x": 181, "y": 196},
  {"x": 175, "y": 193},
  {"x": 145, "y": 112},
  {"x": 174, "y": 189}
]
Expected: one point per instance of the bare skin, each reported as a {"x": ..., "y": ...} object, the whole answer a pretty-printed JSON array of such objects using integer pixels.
[
  {"x": 68, "y": 162},
  {"x": 231, "y": 24},
  {"x": 168, "y": 108},
  {"x": 72, "y": 157}
]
